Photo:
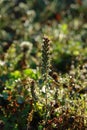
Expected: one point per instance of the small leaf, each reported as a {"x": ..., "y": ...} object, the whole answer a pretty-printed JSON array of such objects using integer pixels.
[
  {"x": 40, "y": 127},
  {"x": 16, "y": 74},
  {"x": 30, "y": 73},
  {"x": 5, "y": 95},
  {"x": 20, "y": 99}
]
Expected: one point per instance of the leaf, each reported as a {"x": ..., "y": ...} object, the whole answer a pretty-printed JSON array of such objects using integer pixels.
[
  {"x": 20, "y": 99},
  {"x": 76, "y": 53},
  {"x": 64, "y": 28},
  {"x": 40, "y": 127},
  {"x": 30, "y": 73},
  {"x": 16, "y": 74},
  {"x": 5, "y": 95}
]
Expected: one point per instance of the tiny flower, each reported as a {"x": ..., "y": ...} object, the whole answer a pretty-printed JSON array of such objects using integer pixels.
[{"x": 26, "y": 46}]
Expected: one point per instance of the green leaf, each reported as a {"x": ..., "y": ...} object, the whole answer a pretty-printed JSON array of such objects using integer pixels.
[
  {"x": 40, "y": 127},
  {"x": 20, "y": 99},
  {"x": 64, "y": 28},
  {"x": 5, "y": 95},
  {"x": 16, "y": 74},
  {"x": 30, "y": 73},
  {"x": 76, "y": 53}
]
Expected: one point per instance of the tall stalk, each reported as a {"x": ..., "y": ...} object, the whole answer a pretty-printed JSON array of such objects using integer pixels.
[{"x": 45, "y": 68}]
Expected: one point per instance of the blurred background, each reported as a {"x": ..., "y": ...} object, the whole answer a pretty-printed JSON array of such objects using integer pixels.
[{"x": 24, "y": 22}]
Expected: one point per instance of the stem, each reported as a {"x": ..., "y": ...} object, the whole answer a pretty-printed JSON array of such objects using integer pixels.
[{"x": 45, "y": 71}]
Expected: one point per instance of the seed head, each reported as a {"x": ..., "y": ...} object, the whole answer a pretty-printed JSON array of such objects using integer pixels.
[{"x": 45, "y": 56}]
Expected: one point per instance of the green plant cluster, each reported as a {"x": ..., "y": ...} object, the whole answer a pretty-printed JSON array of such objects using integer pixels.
[{"x": 43, "y": 84}]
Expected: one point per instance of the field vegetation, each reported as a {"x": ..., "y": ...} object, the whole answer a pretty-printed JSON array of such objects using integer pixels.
[{"x": 43, "y": 65}]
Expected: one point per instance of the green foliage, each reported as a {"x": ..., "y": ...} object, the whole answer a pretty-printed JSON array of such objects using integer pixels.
[
  {"x": 15, "y": 75},
  {"x": 30, "y": 73}
]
